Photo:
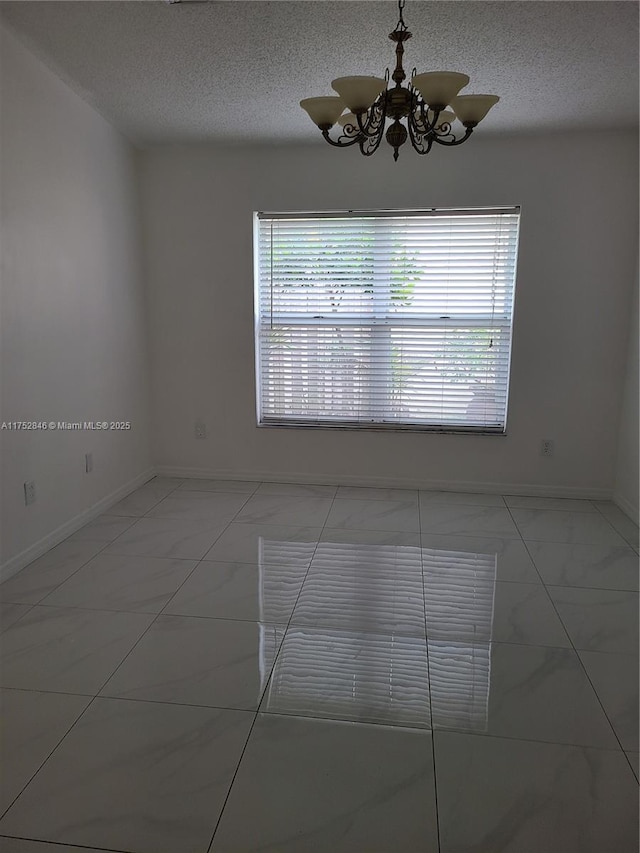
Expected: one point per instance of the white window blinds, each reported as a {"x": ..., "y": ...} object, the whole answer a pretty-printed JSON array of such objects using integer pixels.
[{"x": 391, "y": 319}]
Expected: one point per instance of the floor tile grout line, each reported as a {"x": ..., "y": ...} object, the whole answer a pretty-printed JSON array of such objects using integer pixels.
[
  {"x": 576, "y": 652},
  {"x": 617, "y": 530},
  {"x": 64, "y": 844},
  {"x": 267, "y": 685},
  {"x": 51, "y": 591},
  {"x": 426, "y": 638},
  {"x": 90, "y": 702},
  {"x": 97, "y": 695}
]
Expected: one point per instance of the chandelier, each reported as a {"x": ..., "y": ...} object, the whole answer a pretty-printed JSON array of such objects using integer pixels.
[{"x": 422, "y": 104}]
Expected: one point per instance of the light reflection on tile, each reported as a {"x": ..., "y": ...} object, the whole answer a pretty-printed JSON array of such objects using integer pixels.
[
  {"x": 363, "y": 596},
  {"x": 351, "y": 676},
  {"x": 512, "y": 560},
  {"x": 363, "y": 548}
]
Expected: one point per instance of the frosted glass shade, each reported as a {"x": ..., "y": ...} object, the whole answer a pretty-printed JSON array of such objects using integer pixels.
[
  {"x": 471, "y": 109},
  {"x": 439, "y": 87},
  {"x": 323, "y": 111},
  {"x": 445, "y": 116},
  {"x": 359, "y": 93},
  {"x": 348, "y": 118}
]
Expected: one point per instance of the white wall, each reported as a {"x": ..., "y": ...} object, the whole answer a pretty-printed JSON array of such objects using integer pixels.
[
  {"x": 626, "y": 485},
  {"x": 577, "y": 254},
  {"x": 73, "y": 314}
]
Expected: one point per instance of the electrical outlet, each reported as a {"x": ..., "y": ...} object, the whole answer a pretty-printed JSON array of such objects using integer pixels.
[
  {"x": 29, "y": 493},
  {"x": 88, "y": 462},
  {"x": 200, "y": 429},
  {"x": 546, "y": 447}
]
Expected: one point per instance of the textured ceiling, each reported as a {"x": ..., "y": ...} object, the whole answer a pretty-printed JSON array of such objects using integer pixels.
[{"x": 231, "y": 70}]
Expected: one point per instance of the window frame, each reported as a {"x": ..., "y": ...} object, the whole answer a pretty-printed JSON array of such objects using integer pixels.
[{"x": 384, "y": 324}]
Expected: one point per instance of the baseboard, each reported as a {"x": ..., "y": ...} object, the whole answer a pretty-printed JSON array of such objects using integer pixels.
[
  {"x": 627, "y": 507},
  {"x": 13, "y": 565},
  {"x": 585, "y": 493}
]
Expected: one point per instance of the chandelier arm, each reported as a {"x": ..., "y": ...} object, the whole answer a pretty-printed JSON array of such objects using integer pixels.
[
  {"x": 337, "y": 143},
  {"x": 417, "y": 139},
  {"x": 369, "y": 127},
  {"x": 372, "y": 141},
  {"x": 462, "y": 139}
]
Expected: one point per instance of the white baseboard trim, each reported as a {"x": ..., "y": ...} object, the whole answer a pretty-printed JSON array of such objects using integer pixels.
[
  {"x": 627, "y": 507},
  {"x": 14, "y": 564},
  {"x": 586, "y": 493}
]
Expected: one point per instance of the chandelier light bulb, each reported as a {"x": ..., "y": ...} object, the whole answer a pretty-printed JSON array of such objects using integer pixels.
[{"x": 415, "y": 112}]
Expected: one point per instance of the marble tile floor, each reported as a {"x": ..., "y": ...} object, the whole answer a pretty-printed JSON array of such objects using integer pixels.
[{"x": 219, "y": 666}]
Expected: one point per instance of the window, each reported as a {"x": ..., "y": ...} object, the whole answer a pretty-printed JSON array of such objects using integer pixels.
[{"x": 385, "y": 319}]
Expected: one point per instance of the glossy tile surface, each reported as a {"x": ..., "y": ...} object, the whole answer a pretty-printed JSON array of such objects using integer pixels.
[
  {"x": 105, "y": 528},
  {"x": 65, "y": 649},
  {"x": 282, "y": 545},
  {"x": 138, "y": 776},
  {"x": 515, "y": 691},
  {"x": 192, "y": 661},
  {"x": 41, "y": 577},
  {"x": 374, "y": 515},
  {"x": 33, "y": 724},
  {"x": 333, "y": 631},
  {"x": 282, "y": 509},
  {"x": 464, "y": 520},
  {"x": 187, "y": 539},
  {"x": 218, "y": 509},
  {"x": 548, "y": 525},
  {"x": 599, "y": 566},
  {"x": 615, "y": 679},
  {"x": 257, "y": 593},
  {"x": 112, "y": 582},
  {"x": 516, "y": 796},
  {"x": 600, "y": 620},
  {"x": 138, "y": 503},
  {"x": 10, "y": 613},
  {"x": 331, "y": 786}
]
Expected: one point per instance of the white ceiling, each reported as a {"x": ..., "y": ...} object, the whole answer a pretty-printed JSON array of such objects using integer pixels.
[{"x": 236, "y": 70}]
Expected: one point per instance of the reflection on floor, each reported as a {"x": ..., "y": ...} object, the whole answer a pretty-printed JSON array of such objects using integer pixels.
[{"x": 230, "y": 666}]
